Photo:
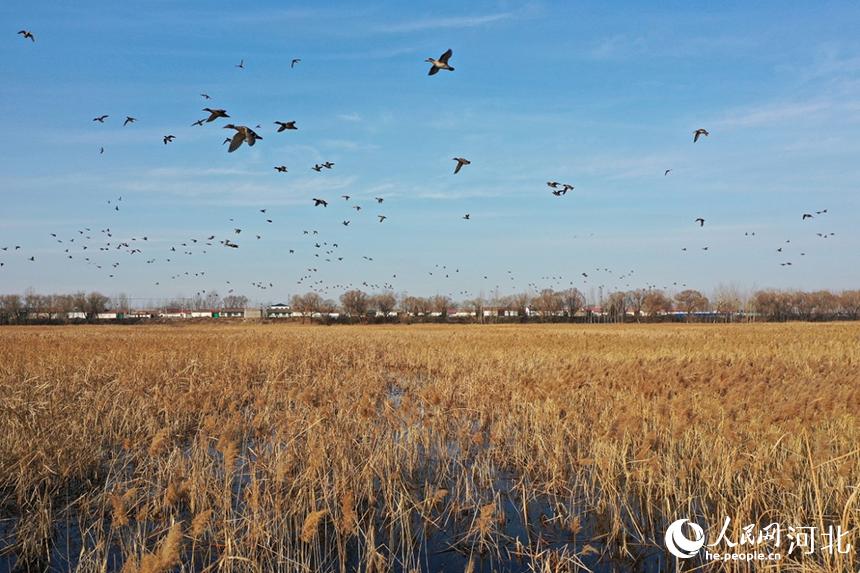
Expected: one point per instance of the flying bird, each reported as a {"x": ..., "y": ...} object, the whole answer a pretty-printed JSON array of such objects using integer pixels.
[
  {"x": 382, "y": 218},
  {"x": 28, "y": 35},
  {"x": 241, "y": 64},
  {"x": 379, "y": 199},
  {"x": 168, "y": 139},
  {"x": 294, "y": 62},
  {"x": 215, "y": 114},
  {"x": 806, "y": 216},
  {"x": 440, "y": 64},
  {"x": 198, "y": 122},
  {"x": 280, "y": 169},
  {"x": 700, "y": 221},
  {"x": 101, "y": 118},
  {"x": 318, "y": 202},
  {"x": 467, "y": 216},
  {"x": 284, "y": 125},
  {"x": 698, "y": 133},
  {"x": 128, "y": 120},
  {"x": 665, "y": 173},
  {"x": 243, "y": 135},
  {"x": 461, "y": 161}
]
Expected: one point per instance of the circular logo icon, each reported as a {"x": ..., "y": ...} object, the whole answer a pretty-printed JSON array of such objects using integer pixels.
[{"x": 679, "y": 544}]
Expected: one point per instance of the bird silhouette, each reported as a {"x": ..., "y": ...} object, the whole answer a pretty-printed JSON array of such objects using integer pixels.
[
  {"x": 241, "y": 64},
  {"x": 168, "y": 139},
  {"x": 698, "y": 133},
  {"x": 440, "y": 64},
  {"x": 318, "y": 202},
  {"x": 28, "y": 35},
  {"x": 215, "y": 114},
  {"x": 806, "y": 216},
  {"x": 128, "y": 120},
  {"x": 101, "y": 118},
  {"x": 280, "y": 169},
  {"x": 244, "y": 134},
  {"x": 285, "y": 125},
  {"x": 668, "y": 171},
  {"x": 700, "y": 221},
  {"x": 467, "y": 216},
  {"x": 461, "y": 161},
  {"x": 294, "y": 62},
  {"x": 382, "y": 218}
]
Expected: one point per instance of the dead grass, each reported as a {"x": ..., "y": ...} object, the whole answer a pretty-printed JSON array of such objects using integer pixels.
[{"x": 545, "y": 448}]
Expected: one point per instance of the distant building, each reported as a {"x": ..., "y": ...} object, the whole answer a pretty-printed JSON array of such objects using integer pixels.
[
  {"x": 279, "y": 310},
  {"x": 248, "y": 313}
]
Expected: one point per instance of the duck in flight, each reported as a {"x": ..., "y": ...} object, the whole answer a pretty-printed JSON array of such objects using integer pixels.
[
  {"x": 279, "y": 169},
  {"x": 318, "y": 202},
  {"x": 284, "y": 125},
  {"x": 241, "y": 64},
  {"x": 379, "y": 199},
  {"x": 665, "y": 173},
  {"x": 698, "y": 133},
  {"x": 467, "y": 216},
  {"x": 294, "y": 62},
  {"x": 215, "y": 114},
  {"x": 700, "y": 221},
  {"x": 461, "y": 161},
  {"x": 244, "y": 134},
  {"x": 382, "y": 218},
  {"x": 168, "y": 139},
  {"x": 101, "y": 118},
  {"x": 806, "y": 216},
  {"x": 128, "y": 120},
  {"x": 28, "y": 35},
  {"x": 440, "y": 64}
]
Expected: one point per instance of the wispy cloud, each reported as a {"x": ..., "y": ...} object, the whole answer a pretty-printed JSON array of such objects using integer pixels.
[
  {"x": 352, "y": 117},
  {"x": 774, "y": 113},
  {"x": 452, "y": 22}
]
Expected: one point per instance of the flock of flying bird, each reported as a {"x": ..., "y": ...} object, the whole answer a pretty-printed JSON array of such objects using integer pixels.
[{"x": 86, "y": 243}]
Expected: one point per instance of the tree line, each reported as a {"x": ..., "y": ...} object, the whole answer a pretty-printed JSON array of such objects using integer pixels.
[{"x": 638, "y": 305}]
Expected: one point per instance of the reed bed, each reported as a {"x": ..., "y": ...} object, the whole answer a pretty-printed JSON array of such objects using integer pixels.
[{"x": 420, "y": 448}]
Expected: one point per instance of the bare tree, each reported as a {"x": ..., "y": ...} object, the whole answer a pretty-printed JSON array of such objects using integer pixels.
[
  {"x": 307, "y": 304},
  {"x": 635, "y": 301},
  {"x": 572, "y": 300},
  {"x": 691, "y": 301},
  {"x": 656, "y": 302},
  {"x": 234, "y": 301},
  {"x": 440, "y": 303},
  {"x": 12, "y": 308},
  {"x": 547, "y": 302},
  {"x": 355, "y": 303},
  {"x": 617, "y": 306},
  {"x": 95, "y": 304},
  {"x": 849, "y": 301},
  {"x": 385, "y": 302}
]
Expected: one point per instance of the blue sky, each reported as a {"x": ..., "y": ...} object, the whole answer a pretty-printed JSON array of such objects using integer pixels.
[{"x": 605, "y": 97}]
